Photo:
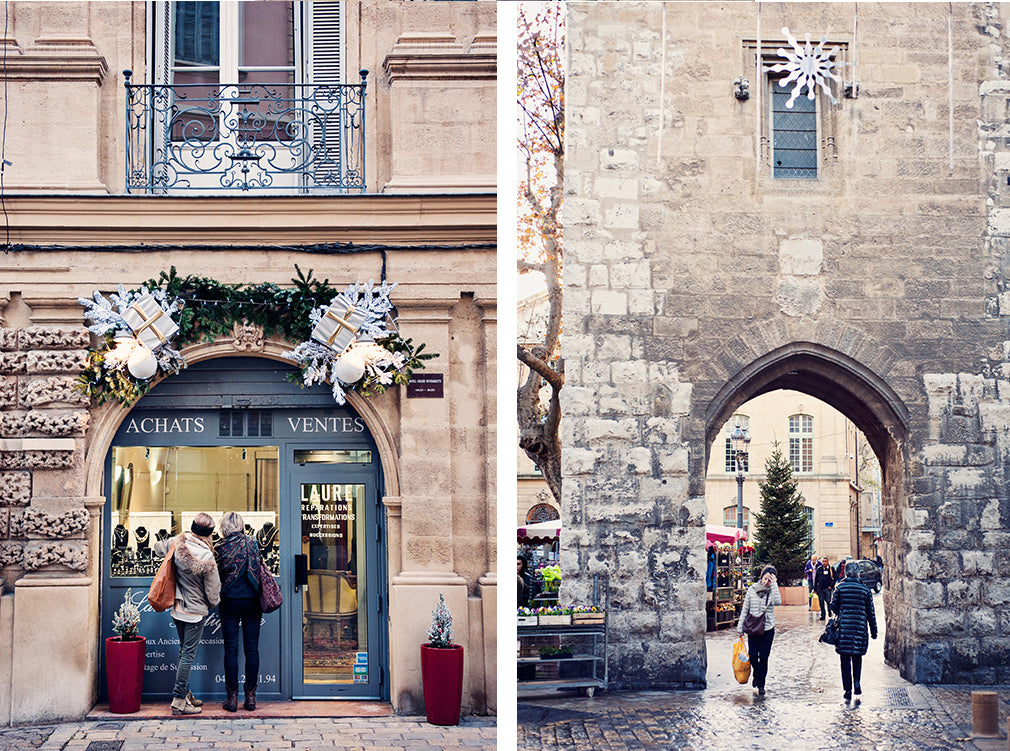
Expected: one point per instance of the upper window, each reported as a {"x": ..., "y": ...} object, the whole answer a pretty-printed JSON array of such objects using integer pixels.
[
  {"x": 798, "y": 133},
  {"x": 247, "y": 96},
  {"x": 793, "y": 134},
  {"x": 729, "y": 517},
  {"x": 744, "y": 422},
  {"x": 250, "y": 42},
  {"x": 801, "y": 443}
]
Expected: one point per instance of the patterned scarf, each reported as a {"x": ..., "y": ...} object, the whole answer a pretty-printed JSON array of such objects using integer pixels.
[{"x": 236, "y": 555}]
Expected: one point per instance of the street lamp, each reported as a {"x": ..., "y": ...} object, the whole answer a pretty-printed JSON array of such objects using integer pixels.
[{"x": 739, "y": 439}]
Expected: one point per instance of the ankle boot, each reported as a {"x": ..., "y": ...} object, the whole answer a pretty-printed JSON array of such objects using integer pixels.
[
  {"x": 231, "y": 703},
  {"x": 193, "y": 700},
  {"x": 182, "y": 706},
  {"x": 250, "y": 699}
]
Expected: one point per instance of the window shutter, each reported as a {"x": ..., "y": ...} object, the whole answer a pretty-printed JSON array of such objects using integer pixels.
[
  {"x": 325, "y": 67},
  {"x": 326, "y": 42}
]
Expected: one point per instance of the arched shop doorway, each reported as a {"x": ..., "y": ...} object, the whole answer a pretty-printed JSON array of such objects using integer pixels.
[{"x": 233, "y": 434}]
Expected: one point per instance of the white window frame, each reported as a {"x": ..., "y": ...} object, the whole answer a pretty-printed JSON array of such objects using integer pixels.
[
  {"x": 320, "y": 34},
  {"x": 730, "y": 460},
  {"x": 801, "y": 436}
]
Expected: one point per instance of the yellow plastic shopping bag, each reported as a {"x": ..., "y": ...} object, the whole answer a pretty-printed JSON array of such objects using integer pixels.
[{"x": 741, "y": 661}]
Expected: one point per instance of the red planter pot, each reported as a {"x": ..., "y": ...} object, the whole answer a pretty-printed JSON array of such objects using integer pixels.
[
  {"x": 124, "y": 672},
  {"x": 442, "y": 676}
]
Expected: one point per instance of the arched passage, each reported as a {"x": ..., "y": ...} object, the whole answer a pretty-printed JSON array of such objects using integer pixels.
[
  {"x": 865, "y": 399},
  {"x": 828, "y": 375}
]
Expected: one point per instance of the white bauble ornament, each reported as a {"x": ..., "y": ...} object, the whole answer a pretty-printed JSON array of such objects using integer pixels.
[
  {"x": 350, "y": 367},
  {"x": 142, "y": 363}
]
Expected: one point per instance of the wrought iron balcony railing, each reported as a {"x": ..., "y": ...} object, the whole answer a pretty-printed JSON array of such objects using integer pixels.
[{"x": 249, "y": 136}]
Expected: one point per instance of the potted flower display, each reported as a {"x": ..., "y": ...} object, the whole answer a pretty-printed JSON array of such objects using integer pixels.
[
  {"x": 124, "y": 659},
  {"x": 554, "y": 615},
  {"x": 526, "y": 617},
  {"x": 442, "y": 669},
  {"x": 564, "y": 652},
  {"x": 582, "y": 615}
]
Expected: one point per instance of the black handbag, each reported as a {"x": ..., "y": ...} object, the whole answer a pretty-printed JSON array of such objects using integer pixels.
[
  {"x": 831, "y": 632},
  {"x": 754, "y": 625}
]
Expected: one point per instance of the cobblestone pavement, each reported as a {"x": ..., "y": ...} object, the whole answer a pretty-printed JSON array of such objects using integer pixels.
[
  {"x": 267, "y": 734},
  {"x": 802, "y": 709}
]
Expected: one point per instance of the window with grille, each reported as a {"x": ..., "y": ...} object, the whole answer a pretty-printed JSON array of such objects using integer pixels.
[
  {"x": 801, "y": 443},
  {"x": 744, "y": 422},
  {"x": 793, "y": 134},
  {"x": 245, "y": 423},
  {"x": 729, "y": 517}
]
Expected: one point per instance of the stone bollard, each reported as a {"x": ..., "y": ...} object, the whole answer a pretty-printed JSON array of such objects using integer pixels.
[{"x": 984, "y": 714}]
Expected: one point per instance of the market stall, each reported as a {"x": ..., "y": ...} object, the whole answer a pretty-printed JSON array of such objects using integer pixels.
[{"x": 728, "y": 574}]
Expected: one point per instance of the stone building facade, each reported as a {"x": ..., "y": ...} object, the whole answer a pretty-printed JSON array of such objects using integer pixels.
[
  {"x": 425, "y": 218},
  {"x": 699, "y": 275}
]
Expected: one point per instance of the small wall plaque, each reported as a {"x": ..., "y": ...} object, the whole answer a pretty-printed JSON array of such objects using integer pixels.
[{"x": 425, "y": 386}]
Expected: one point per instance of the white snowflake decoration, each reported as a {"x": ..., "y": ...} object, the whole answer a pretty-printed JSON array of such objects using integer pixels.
[
  {"x": 319, "y": 362},
  {"x": 808, "y": 67}
]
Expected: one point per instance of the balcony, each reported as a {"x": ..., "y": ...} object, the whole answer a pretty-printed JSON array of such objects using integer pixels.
[{"x": 261, "y": 137}]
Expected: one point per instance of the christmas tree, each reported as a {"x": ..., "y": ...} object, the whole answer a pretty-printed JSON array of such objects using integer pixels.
[{"x": 782, "y": 529}]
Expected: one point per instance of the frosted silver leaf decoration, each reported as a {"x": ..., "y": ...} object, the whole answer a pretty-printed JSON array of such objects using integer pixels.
[{"x": 807, "y": 67}]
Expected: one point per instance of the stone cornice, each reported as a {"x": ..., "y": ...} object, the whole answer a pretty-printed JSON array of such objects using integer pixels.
[
  {"x": 441, "y": 66},
  {"x": 56, "y": 60},
  {"x": 236, "y": 220}
]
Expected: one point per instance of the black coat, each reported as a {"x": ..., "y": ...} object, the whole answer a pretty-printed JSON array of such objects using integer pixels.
[
  {"x": 854, "y": 604},
  {"x": 823, "y": 578}
]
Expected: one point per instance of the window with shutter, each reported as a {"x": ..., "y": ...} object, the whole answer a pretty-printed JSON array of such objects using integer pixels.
[{"x": 251, "y": 95}]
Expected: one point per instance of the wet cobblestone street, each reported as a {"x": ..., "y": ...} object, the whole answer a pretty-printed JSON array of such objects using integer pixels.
[{"x": 802, "y": 709}]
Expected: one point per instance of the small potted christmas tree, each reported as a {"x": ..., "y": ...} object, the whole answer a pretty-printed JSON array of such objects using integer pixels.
[
  {"x": 124, "y": 659},
  {"x": 442, "y": 669}
]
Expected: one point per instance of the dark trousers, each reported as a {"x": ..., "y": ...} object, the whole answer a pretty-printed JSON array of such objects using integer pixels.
[
  {"x": 852, "y": 668},
  {"x": 824, "y": 596},
  {"x": 760, "y": 646},
  {"x": 245, "y": 611},
  {"x": 189, "y": 640}
]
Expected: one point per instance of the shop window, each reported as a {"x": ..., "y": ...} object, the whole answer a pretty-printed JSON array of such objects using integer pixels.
[
  {"x": 158, "y": 490},
  {"x": 744, "y": 422},
  {"x": 729, "y": 517},
  {"x": 801, "y": 443}
]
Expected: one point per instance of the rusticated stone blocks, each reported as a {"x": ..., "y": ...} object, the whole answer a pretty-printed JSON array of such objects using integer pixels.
[
  {"x": 36, "y": 459},
  {"x": 40, "y": 523},
  {"x": 15, "y": 488},
  {"x": 53, "y": 389},
  {"x": 50, "y": 423},
  {"x": 56, "y": 555}
]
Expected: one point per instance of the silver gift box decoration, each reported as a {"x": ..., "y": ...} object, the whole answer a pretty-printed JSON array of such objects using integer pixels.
[
  {"x": 151, "y": 324},
  {"x": 339, "y": 326}
]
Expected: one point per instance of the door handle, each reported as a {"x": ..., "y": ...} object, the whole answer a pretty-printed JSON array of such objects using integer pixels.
[{"x": 301, "y": 571}]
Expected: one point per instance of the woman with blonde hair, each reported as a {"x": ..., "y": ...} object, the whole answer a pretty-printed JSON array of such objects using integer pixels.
[
  {"x": 239, "y": 563},
  {"x": 197, "y": 590}
]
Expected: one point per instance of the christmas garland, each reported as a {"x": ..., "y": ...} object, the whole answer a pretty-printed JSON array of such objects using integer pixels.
[{"x": 205, "y": 309}]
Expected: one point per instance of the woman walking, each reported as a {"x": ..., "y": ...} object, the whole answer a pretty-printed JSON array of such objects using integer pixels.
[
  {"x": 197, "y": 590},
  {"x": 761, "y": 598},
  {"x": 853, "y": 603},
  {"x": 238, "y": 559}
]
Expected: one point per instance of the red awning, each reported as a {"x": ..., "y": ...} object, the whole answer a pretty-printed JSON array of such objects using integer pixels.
[{"x": 716, "y": 533}]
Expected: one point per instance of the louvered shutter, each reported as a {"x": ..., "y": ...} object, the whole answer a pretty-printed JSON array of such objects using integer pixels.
[{"x": 325, "y": 67}]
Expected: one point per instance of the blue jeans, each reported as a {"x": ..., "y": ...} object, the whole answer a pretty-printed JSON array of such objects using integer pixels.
[
  {"x": 245, "y": 611},
  {"x": 189, "y": 640}
]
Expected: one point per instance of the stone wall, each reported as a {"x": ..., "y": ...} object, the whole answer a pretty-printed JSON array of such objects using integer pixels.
[{"x": 695, "y": 281}]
